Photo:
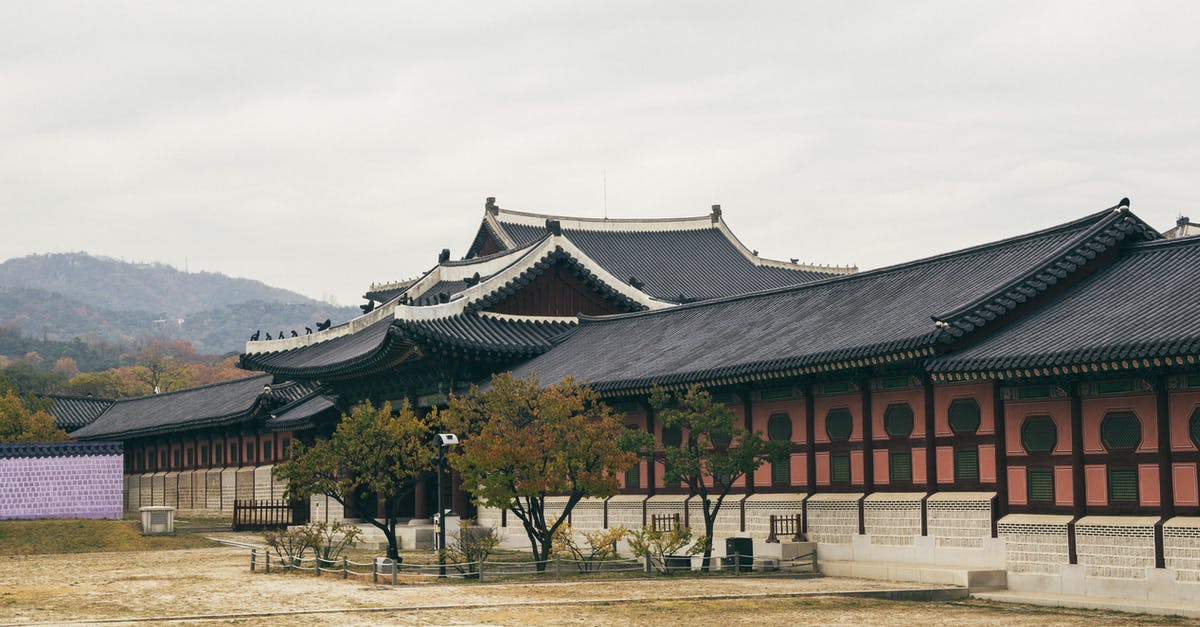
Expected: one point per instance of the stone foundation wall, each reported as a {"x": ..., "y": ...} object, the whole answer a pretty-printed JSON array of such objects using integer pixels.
[
  {"x": 892, "y": 519},
  {"x": 203, "y": 493},
  {"x": 1034, "y": 544},
  {"x": 832, "y": 521},
  {"x": 1112, "y": 547},
  {"x": 588, "y": 515},
  {"x": 959, "y": 520},
  {"x": 69, "y": 480},
  {"x": 1181, "y": 548},
  {"x": 729, "y": 517},
  {"x": 760, "y": 507}
]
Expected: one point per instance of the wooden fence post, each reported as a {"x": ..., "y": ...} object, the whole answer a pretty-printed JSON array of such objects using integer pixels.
[
  {"x": 395, "y": 567},
  {"x": 345, "y": 567},
  {"x": 268, "y": 562},
  {"x": 253, "y": 555},
  {"x": 375, "y": 571}
]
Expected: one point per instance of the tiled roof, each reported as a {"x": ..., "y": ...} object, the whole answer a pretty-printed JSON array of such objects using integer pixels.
[
  {"x": 73, "y": 412},
  {"x": 487, "y": 333},
  {"x": 365, "y": 349},
  {"x": 695, "y": 264},
  {"x": 871, "y": 317},
  {"x": 218, "y": 403},
  {"x": 60, "y": 449},
  {"x": 1144, "y": 306},
  {"x": 301, "y": 412}
]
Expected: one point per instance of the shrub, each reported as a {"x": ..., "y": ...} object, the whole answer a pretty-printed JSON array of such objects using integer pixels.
[
  {"x": 469, "y": 546},
  {"x": 656, "y": 546},
  {"x": 327, "y": 542},
  {"x": 601, "y": 545}
]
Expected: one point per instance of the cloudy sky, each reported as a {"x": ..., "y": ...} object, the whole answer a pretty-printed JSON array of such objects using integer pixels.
[{"x": 323, "y": 146}]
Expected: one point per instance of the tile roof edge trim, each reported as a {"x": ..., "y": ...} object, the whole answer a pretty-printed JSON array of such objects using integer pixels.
[
  {"x": 862, "y": 275},
  {"x": 492, "y": 224},
  {"x": 689, "y": 223},
  {"x": 519, "y": 318},
  {"x": 1051, "y": 261},
  {"x": 61, "y": 449},
  {"x": 202, "y": 422},
  {"x": 352, "y": 326}
]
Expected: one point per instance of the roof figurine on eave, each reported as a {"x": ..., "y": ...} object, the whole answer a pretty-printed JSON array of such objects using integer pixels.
[{"x": 524, "y": 281}]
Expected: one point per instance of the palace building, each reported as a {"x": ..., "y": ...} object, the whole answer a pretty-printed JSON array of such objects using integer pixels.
[{"x": 1028, "y": 407}]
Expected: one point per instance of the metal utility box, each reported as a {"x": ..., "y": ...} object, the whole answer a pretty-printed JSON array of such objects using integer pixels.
[
  {"x": 740, "y": 550},
  {"x": 157, "y": 520}
]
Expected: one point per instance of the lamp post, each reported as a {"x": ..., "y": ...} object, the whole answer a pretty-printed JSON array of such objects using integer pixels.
[{"x": 443, "y": 441}]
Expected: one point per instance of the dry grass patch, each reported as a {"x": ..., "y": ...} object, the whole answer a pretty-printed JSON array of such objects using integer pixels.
[{"x": 37, "y": 537}]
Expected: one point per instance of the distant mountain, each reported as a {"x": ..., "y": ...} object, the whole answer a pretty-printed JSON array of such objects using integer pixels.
[
  {"x": 122, "y": 285},
  {"x": 64, "y": 296}
]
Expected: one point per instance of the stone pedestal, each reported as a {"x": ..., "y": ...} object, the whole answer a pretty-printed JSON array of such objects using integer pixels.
[{"x": 157, "y": 520}]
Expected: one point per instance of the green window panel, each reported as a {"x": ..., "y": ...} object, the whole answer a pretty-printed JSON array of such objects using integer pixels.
[
  {"x": 781, "y": 472},
  {"x": 1039, "y": 434},
  {"x": 898, "y": 420},
  {"x": 672, "y": 437},
  {"x": 633, "y": 477},
  {"x": 1040, "y": 484},
  {"x": 779, "y": 427},
  {"x": 966, "y": 464},
  {"x": 839, "y": 468},
  {"x": 964, "y": 416},
  {"x": 1122, "y": 485},
  {"x": 900, "y": 467},
  {"x": 894, "y": 383},
  {"x": 1120, "y": 431},
  {"x": 839, "y": 424},
  {"x": 1029, "y": 392},
  {"x": 1116, "y": 386}
]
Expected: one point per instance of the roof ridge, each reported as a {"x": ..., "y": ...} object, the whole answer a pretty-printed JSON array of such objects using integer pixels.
[
  {"x": 864, "y": 274},
  {"x": 529, "y": 214},
  {"x": 76, "y": 397},
  {"x": 1187, "y": 240},
  {"x": 192, "y": 389}
]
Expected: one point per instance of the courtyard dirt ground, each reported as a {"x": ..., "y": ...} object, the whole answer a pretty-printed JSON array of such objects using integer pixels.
[{"x": 214, "y": 586}]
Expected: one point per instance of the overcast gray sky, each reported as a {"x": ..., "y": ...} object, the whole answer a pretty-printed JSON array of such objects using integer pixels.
[{"x": 323, "y": 146}]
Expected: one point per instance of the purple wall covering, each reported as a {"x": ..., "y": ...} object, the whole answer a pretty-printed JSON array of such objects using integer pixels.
[{"x": 67, "y": 480}]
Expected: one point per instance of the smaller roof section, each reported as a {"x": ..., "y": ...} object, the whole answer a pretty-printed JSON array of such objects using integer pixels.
[
  {"x": 1184, "y": 227},
  {"x": 1140, "y": 311},
  {"x": 73, "y": 412},
  {"x": 208, "y": 405}
]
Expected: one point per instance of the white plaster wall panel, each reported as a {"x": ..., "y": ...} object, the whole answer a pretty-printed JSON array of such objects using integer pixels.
[
  {"x": 832, "y": 521},
  {"x": 262, "y": 483},
  {"x": 728, "y": 522}
]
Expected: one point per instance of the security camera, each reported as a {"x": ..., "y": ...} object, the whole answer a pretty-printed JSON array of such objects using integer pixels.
[{"x": 446, "y": 439}]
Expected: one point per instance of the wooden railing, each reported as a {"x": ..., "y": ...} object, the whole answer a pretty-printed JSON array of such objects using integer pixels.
[
  {"x": 254, "y": 515},
  {"x": 785, "y": 525},
  {"x": 664, "y": 522}
]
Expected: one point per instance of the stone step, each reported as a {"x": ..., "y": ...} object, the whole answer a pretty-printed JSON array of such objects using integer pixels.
[{"x": 968, "y": 577}]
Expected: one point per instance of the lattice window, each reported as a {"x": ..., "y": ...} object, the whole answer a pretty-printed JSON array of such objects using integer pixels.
[
  {"x": 203, "y": 454},
  {"x": 633, "y": 477},
  {"x": 1040, "y": 484},
  {"x": 672, "y": 437},
  {"x": 1120, "y": 431},
  {"x": 900, "y": 466},
  {"x": 268, "y": 451},
  {"x": 1039, "y": 434},
  {"x": 779, "y": 427},
  {"x": 1194, "y": 427},
  {"x": 898, "y": 420},
  {"x": 781, "y": 472},
  {"x": 1122, "y": 485},
  {"x": 839, "y": 424},
  {"x": 249, "y": 452},
  {"x": 774, "y": 394},
  {"x": 966, "y": 464},
  {"x": 839, "y": 467},
  {"x": 191, "y": 457},
  {"x": 964, "y": 416},
  {"x": 233, "y": 453}
]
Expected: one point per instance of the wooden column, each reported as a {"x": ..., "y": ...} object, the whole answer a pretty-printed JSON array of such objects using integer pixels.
[
  {"x": 810, "y": 429},
  {"x": 1078, "y": 487},
  {"x": 931, "y": 480},
  {"x": 748, "y": 421},
  {"x": 1001, "y": 428},
  {"x": 868, "y": 432},
  {"x": 650, "y": 462},
  {"x": 421, "y": 499},
  {"x": 1166, "y": 480}
]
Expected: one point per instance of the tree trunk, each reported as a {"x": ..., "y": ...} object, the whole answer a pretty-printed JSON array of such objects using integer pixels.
[{"x": 710, "y": 519}]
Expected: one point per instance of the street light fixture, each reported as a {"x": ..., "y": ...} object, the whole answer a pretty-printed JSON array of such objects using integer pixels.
[{"x": 443, "y": 441}]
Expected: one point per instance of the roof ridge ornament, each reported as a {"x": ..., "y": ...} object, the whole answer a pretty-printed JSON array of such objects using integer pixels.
[
  {"x": 716, "y": 213},
  {"x": 490, "y": 206},
  {"x": 554, "y": 226},
  {"x": 1123, "y": 205}
]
